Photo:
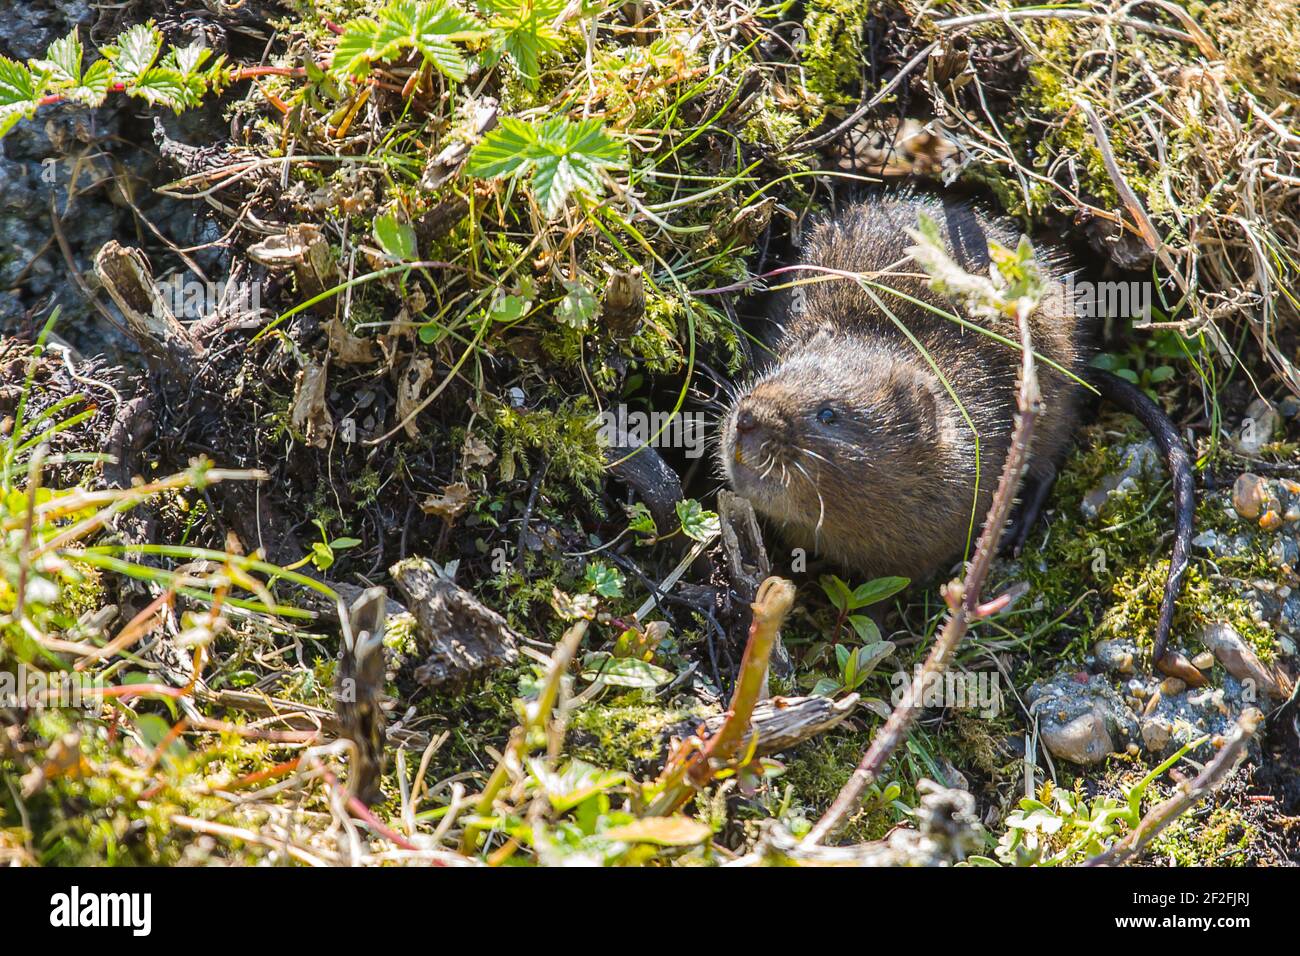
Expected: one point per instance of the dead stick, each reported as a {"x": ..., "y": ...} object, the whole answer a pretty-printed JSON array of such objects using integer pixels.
[
  {"x": 1163, "y": 814},
  {"x": 963, "y": 598}
]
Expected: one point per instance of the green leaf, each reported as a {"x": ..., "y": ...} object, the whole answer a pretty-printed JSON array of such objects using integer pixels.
[
  {"x": 564, "y": 157},
  {"x": 503, "y": 151},
  {"x": 577, "y": 307},
  {"x": 697, "y": 524},
  {"x": 576, "y": 782},
  {"x": 356, "y": 48},
  {"x": 18, "y": 94},
  {"x": 827, "y": 687},
  {"x": 623, "y": 671},
  {"x": 837, "y": 592},
  {"x": 508, "y": 308},
  {"x": 429, "y": 28},
  {"x": 641, "y": 521},
  {"x": 164, "y": 86},
  {"x": 866, "y": 628},
  {"x": 866, "y": 659},
  {"x": 188, "y": 60},
  {"x": 322, "y": 555},
  {"x": 396, "y": 238},
  {"x": 94, "y": 85},
  {"x": 63, "y": 61},
  {"x": 604, "y": 580},
  {"x": 342, "y": 544},
  {"x": 135, "y": 52},
  {"x": 875, "y": 591},
  {"x": 523, "y": 30}
]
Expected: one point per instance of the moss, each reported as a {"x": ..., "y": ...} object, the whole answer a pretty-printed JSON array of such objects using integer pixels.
[
  {"x": 627, "y": 732},
  {"x": 566, "y": 435},
  {"x": 1266, "y": 60},
  {"x": 1219, "y": 839},
  {"x": 832, "y": 52},
  {"x": 819, "y": 768}
]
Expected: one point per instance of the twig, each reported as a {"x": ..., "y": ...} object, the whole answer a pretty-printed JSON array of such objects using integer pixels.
[
  {"x": 1190, "y": 794},
  {"x": 963, "y": 598}
]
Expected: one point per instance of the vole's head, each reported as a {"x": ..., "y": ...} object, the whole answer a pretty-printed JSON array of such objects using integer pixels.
[{"x": 836, "y": 435}]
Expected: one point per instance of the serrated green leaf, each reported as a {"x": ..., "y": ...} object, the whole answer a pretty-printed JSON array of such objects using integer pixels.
[
  {"x": 697, "y": 524},
  {"x": 356, "y": 48},
  {"x": 188, "y": 60},
  {"x": 604, "y": 580},
  {"x": 63, "y": 61},
  {"x": 94, "y": 85},
  {"x": 163, "y": 86},
  {"x": 135, "y": 52},
  {"x": 563, "y": 156},
  {"x": 503, "y": 151},
  {"x": 524, "y": 32},
  {"x": 18, "y": 94},
  {"x": 429, "y": 28},
  {"x": 577, "y": 307}
]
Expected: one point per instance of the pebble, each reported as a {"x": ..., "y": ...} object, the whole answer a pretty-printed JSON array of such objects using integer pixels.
[
  {"x": 1258, "y": 427},
  {"x": 1171, "y": 686},
  {"x": 1203, "y": 661},
  {"x": 1084, "y": 740},
  {"x": 1250, "y": 495},
  {"x": 1238, "y": 659}
]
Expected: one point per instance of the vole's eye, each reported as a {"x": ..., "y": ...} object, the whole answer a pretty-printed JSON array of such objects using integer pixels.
[{"x": 826, "y": 416}]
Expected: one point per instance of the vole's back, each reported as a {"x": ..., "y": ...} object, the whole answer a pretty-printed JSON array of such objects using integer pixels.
[{"x": 872, "y": 237}]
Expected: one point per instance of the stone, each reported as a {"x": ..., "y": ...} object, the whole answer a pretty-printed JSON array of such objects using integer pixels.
[
  {"x": 1238, "y": 659},
  {"x": 1084, "y": 740},
  {"x": 1257, "y": 427},
  {"x": 1250, "y": 495}
]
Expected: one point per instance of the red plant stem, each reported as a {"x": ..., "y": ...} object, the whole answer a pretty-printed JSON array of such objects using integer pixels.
[{"x": 244, "y": 73}]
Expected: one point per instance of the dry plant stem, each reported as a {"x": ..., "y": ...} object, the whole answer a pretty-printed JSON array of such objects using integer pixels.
[
  {"x": 1190, "y": 794},
  {"x": 536, "y": 714},
  {"x": 963, "y": 598},
  {"x": 693, "y": 764},
  {"x": 771, "y": 606}
]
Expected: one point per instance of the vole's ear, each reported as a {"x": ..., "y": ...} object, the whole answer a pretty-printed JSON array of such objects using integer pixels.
[{"x": 917, "y": 406}]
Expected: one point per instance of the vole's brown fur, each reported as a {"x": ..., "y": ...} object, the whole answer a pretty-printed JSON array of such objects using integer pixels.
[{"x": 851, "y": 442}]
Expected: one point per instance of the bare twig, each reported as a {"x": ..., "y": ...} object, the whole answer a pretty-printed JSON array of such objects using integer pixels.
[
  {"x": 1190, "y": 794},
  {"x": 963, "y": 599}
]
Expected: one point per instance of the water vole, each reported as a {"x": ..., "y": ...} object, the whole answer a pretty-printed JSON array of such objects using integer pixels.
[{"x": 852, "y": 442}]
